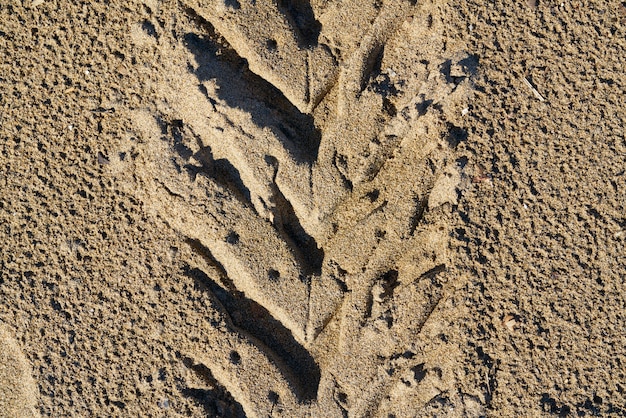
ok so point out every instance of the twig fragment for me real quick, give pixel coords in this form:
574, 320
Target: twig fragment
533, 89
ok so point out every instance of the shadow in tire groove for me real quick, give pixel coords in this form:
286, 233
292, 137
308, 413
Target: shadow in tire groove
220, 170
241, 88
308, 254
256, 322
215, 399
300, 13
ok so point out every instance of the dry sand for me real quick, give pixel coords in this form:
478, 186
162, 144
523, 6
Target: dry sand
312, 208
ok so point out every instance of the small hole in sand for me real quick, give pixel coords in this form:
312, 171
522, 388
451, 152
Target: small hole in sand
373, 195
273, 274
233, 4
273, 397
271, 44
232, 238
235, 358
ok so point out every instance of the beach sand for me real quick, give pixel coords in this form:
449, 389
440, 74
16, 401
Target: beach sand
312, 208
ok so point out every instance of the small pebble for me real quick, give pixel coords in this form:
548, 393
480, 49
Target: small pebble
164, 403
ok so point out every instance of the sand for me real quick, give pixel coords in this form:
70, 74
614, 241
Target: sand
312, 208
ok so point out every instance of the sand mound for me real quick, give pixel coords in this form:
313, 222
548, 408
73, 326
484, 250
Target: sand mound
18, 390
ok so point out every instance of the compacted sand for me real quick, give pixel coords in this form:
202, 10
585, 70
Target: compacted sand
316, 208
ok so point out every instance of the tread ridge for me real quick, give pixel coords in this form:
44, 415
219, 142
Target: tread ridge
267, 193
